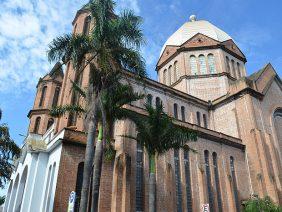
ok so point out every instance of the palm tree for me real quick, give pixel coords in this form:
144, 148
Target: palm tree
157, 134
111, 47
8, 151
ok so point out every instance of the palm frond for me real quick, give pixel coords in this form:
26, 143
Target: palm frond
62, 110
78, 89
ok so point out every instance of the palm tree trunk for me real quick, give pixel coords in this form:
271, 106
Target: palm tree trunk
98, 162
152, 183
89, 155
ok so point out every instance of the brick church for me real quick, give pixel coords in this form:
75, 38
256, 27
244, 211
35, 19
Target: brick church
203, 84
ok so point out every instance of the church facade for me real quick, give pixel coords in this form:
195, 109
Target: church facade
203, 84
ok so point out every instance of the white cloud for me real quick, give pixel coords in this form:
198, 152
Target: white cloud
26, 29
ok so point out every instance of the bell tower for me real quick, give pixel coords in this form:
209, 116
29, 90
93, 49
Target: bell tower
47, 96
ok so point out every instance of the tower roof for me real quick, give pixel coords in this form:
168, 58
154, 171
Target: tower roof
193, 27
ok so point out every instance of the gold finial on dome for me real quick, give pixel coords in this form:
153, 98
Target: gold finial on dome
192, 18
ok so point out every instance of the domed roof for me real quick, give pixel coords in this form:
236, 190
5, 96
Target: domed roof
193, 27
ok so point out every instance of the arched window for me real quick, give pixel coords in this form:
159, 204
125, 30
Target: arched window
176, 71
203, 65
277, 119
139, 178
239, 70
47, 188
234, 183
37, 125
165, 77
188, 180
193, 65
175, 111
178, 181
158, 101
205, 121
208, 178
86, 27
169, 75
50, 123
211, 63
198, 118
228, 65
13, 194
43, 93
217, 185
78, 187
182, 113
8, 197
21, 190
233, 68
149, 99
56, 97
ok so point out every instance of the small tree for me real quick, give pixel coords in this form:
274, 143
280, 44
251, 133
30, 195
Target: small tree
8, 151
157, 133
256, 204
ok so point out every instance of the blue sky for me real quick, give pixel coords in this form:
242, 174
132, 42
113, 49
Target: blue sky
27, 26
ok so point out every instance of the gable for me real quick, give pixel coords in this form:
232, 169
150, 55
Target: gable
231, 46
199, 40
167, 53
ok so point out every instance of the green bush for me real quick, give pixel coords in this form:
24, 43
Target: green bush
255, 204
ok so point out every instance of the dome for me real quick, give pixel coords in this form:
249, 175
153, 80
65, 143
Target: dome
193, 27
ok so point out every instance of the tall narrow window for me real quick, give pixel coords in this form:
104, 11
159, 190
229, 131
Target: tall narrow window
211, 63
170, 72
37, 125
193, 65
178, 181
175, 111
47, 188
198, 118
51, 187
165, 77
234, 183
86, 27
169, 75
43, 93
176, 71
139, 179
208, 177
205, 121
217, 185
188, 181
149, 99
239, 70
182, 113
203, 65
50, 123
78, 187
158, 101
227, 64
56, 97
233, 68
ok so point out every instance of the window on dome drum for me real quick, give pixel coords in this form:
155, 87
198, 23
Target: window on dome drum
175, 111
208, 178
217, 185
228, 65
178, 181
149, 99
139, 178
43, 93
233, 68
176, 71
86, 27
169, 75
50, 123
37, 125
203, 65
56, 97
193, 65
158, 101
78, 186
234, 184
205, 121
211, 63
165, 77
188, 181
239, 70
182, 113
198, 118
